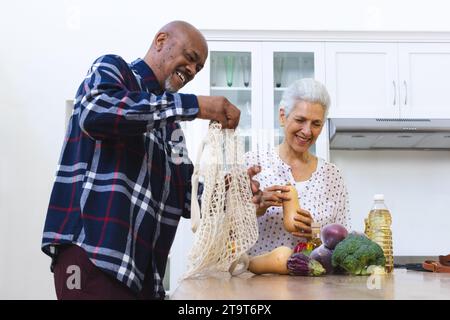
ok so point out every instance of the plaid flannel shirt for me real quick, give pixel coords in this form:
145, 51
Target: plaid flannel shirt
118, 192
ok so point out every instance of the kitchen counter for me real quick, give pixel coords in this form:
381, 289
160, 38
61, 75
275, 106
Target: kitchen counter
402, 284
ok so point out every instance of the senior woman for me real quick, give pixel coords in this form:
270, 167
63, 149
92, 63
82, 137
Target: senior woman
322, 192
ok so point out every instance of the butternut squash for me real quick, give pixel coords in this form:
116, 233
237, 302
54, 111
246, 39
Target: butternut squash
274, 261
290, 208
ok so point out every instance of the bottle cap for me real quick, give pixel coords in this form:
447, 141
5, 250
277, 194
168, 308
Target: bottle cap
378, 197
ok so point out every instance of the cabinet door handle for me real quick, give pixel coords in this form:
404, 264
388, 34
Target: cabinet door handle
406, 91
395, 93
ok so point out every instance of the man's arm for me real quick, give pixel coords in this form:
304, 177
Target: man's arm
109, 109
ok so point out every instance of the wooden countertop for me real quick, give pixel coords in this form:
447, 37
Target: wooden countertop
402, 284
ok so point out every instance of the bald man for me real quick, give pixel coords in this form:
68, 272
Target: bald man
177, 53
119, 190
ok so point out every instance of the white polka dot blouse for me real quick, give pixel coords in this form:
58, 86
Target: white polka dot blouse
324, 195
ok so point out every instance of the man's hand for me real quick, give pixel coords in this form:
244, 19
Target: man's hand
303, 221
273, 196
219, 109
257, 193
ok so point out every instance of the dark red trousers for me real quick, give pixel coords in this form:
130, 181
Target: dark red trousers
92, 283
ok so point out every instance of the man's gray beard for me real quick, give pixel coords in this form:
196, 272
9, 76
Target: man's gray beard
168, 86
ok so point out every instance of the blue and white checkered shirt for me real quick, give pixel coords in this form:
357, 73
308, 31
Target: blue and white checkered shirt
118, 192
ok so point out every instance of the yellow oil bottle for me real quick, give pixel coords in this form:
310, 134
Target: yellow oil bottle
378, 229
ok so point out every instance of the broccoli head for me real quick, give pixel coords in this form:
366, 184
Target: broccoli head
357, 252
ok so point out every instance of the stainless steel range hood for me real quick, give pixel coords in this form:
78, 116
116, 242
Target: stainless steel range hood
346, 133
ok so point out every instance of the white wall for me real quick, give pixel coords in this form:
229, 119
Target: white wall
46, 48
416, 185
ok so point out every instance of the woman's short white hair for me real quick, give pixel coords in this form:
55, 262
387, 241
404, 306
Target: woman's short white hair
308, 90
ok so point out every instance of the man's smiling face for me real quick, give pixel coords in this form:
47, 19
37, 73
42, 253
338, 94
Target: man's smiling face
181, 57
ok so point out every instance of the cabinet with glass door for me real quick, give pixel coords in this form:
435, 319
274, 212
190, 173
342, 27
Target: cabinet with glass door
254, 75
284, 63
235, 73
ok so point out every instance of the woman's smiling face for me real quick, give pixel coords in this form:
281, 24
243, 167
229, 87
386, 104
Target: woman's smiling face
303, 125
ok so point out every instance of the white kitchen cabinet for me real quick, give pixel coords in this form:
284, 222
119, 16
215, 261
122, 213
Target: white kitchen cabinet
424, 70
283, 63
388, 79
272, 67
362, 79
235, 72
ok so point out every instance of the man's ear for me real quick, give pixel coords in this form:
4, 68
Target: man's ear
160, 40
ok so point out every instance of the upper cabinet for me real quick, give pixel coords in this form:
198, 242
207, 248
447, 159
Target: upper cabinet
388, 80
282, 64
235, 72
424, 79
253, 76
362, 79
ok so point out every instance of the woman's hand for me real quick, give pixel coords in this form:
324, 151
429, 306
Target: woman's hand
272, 196
303, 221
254, 185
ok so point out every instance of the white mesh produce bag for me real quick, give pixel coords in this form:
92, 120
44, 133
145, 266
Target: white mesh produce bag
226, 227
